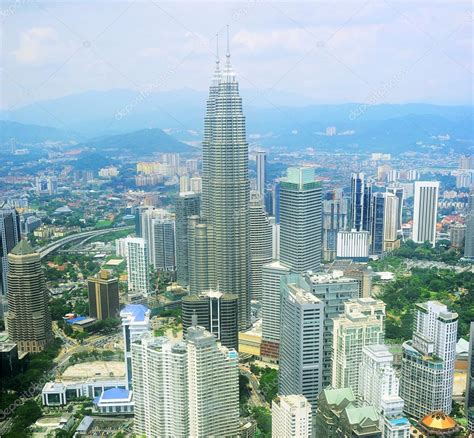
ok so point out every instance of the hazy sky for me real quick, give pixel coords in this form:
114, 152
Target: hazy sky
380, 51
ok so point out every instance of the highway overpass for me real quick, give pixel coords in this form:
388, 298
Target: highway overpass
85, 235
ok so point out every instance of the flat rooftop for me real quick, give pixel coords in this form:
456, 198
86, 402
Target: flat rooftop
95, 369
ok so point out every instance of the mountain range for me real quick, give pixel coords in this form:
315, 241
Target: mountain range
274, 119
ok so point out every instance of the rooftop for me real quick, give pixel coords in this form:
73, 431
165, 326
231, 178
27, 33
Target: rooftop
23, 248
138, 312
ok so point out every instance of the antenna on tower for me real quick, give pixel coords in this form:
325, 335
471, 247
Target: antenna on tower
217, 48
228, 49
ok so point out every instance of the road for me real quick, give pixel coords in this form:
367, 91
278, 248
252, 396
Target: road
85, 235
256, 397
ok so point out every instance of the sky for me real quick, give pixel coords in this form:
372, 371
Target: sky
326, 52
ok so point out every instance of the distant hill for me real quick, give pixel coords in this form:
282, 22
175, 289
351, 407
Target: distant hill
143, 142
30, 134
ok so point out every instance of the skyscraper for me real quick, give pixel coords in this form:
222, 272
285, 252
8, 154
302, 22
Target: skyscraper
427, 373
469, 239
213, 382
300, 221
399, 193
28, 318
377, 222
186, 204
160, 387
201, 256
216, 312
225, 187
469, 403
425, 211
361, 324
261, 160
301, 345
135, 324
9, 236
291, 417
361, 194
335, 218
137, 265
378, 386
103, 296
272, 274
260, 243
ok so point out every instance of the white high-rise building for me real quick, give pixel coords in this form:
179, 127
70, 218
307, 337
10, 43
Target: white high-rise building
160, 390
425, 211
213, 386
427, 373
271, 308
137, 265
186, 388
379, 386
301, 345
135, 323
261, 159
291, 417
275, 238
195, 184
353, 245
184, 184
260, 243
361, 324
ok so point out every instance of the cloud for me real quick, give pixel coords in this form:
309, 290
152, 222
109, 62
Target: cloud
38, 46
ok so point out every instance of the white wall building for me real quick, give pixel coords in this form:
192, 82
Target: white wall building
291, 417
427, 373
379, 386
425, 211
361, 324
137, 265
352, 245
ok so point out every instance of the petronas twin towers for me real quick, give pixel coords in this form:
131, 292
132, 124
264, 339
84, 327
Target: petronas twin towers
226, 190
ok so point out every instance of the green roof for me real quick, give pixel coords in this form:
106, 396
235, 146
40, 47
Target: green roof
361, 415
23, 248
338, 395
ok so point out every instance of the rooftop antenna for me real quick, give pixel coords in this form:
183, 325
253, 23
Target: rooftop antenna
217, 48
228, 49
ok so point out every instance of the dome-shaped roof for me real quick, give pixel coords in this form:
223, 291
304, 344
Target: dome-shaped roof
438, 421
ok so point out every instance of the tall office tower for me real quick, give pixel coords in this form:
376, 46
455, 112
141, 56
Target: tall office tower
469, 239
28, 317
213, 381
260, 243
135, 324
335, 218
186, 205
137, 265
10, 235
301, 345
361, 324
353, 245
427, 373
275, 238
361, 194
138, 218
103, 295
216, 312
399, 193
333, 290
391, 219
261, 159
160, 389
457, 235
291, 417
469, 403
378, 386
158, 232
300, 220
271, 308
201, 266
377, 222
425, 211
225, 187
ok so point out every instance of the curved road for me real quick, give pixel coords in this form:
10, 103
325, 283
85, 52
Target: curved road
85, 235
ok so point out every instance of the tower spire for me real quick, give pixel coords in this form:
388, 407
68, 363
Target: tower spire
217, 71
228, 74
228, 49
217, 49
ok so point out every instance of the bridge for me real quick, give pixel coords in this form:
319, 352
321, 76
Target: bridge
82, 237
